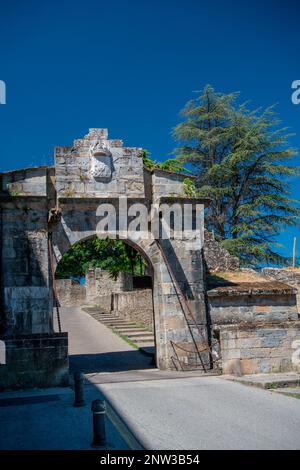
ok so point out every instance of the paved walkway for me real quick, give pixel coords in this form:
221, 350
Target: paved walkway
206, 413
155, 409
95, 348
49, 421
189, 413
138, 334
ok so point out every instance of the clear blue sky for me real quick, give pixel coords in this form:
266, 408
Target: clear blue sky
131, 65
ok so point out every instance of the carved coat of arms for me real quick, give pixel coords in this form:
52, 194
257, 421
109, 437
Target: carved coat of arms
101, 164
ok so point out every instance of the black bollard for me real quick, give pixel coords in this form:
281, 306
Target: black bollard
79, 389
99, 411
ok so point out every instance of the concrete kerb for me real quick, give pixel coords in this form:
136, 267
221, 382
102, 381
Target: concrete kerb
267, 381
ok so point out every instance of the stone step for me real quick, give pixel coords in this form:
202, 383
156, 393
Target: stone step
140, 339
115, 320
98, 316
143, 338
119, 325
92, 310
105, 317
140, 333
130, 330
110, 317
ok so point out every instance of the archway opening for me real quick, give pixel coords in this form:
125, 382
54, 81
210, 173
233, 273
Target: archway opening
105, 298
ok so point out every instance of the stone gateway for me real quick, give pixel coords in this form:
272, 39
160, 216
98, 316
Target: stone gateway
46, 210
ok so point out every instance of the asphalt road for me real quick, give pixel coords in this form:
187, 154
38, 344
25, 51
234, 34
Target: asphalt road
205, 413
166, 412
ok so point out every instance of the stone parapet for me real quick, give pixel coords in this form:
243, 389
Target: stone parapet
289, 276
252, 302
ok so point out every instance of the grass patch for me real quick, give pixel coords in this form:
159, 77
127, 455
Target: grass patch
95, 309
273, 386
125, 338
293, 395
146, 327
128, 340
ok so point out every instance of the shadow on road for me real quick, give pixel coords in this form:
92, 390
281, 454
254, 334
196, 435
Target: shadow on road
110, 362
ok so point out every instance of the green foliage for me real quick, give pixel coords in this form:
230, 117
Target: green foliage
114, 256
148, 162
189, 186
242, 162
171, 164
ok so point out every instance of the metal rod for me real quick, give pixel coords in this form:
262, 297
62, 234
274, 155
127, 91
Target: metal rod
294, 252
186, 304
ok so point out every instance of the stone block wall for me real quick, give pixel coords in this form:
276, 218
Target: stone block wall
99, 283
136, 306
70, 293
25, 278
35, 361
105, 302
27, 182
231, 305
258, 327
96, 165
167, 184
260, 348
289, 276
216, 257
98, 289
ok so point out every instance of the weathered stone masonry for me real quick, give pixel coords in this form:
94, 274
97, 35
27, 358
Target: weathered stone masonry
112, 295
215, 257
258, 327
63, 205
34, 354
49, 209
289, 276
99, 283
70, 293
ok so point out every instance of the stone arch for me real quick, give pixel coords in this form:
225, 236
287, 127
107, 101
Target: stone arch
59, 204
150, 251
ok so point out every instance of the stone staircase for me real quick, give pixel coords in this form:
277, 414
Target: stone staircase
137, 335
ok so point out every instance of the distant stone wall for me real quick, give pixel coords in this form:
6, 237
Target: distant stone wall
97, 290
99, 283
104, 302
70, 293
255, 349
217, 258
136, 306
291, 277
